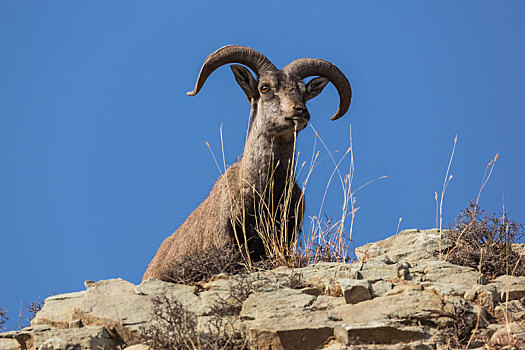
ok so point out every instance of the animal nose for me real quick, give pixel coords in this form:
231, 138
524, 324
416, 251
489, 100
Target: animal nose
300, 109
301, 112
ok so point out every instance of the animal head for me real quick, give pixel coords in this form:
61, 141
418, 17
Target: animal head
278, 97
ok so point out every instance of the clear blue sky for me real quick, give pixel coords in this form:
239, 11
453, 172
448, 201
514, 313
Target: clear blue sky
103, 155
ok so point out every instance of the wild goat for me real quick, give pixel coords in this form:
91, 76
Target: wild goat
259, 190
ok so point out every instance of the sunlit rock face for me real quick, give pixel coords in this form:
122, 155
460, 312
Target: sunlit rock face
398, 295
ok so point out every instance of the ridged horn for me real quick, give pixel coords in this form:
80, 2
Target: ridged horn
307, 67
251, 58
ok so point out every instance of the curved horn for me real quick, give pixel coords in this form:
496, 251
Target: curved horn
307, 67
251, 58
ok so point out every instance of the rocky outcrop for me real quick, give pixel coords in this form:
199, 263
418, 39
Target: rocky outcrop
398, 296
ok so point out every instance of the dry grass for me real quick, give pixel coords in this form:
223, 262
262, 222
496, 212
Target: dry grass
489, 244
484, 181
439, 204
328, 239
481, 241
448, 177
277, 220
277, 225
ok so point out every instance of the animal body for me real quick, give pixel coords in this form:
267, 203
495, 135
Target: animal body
261, 185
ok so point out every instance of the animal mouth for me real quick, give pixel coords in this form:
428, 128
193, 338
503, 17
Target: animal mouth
298, 122
298, 118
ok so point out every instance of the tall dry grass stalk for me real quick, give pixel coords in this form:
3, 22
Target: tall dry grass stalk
272, 217
276, 220
330, 240
440, 207
439, 202
486, 176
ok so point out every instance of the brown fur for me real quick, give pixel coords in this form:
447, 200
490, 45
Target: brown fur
264, 173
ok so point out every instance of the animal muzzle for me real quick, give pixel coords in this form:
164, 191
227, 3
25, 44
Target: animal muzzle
300, 113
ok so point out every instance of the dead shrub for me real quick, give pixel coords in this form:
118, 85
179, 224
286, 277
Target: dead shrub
172, 327
459, 331
486, 242
175, 327
239, 289
3, 318
34, 307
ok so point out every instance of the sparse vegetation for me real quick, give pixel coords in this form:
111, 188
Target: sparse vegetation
172, 327
34, 307
330, 239
3, 318
488, 243
24, 318
175, 327
326, 239
459, 331
240, 288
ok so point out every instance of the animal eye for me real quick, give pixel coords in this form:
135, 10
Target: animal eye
265, 89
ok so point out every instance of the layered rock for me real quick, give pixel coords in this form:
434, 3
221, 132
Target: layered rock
399, 295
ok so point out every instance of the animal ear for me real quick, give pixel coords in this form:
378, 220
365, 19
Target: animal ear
315, 86
246, 81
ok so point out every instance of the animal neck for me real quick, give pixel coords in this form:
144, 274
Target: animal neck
267, 157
